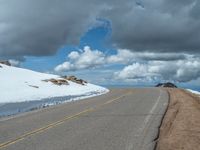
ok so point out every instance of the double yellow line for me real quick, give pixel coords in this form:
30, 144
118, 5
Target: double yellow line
59, 122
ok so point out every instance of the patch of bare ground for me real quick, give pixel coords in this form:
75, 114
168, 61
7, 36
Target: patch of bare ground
180, 129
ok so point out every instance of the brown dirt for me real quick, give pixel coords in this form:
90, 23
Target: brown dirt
180, 129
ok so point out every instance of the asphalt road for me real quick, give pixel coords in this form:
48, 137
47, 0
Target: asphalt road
123, 119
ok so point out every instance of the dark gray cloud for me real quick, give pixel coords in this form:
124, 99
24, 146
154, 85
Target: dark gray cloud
30, 27
161, 26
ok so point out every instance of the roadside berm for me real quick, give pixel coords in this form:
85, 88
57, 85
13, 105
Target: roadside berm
180, 128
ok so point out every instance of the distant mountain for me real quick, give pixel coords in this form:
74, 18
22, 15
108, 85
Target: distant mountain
168, 84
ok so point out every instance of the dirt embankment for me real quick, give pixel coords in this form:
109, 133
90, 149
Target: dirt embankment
180, 129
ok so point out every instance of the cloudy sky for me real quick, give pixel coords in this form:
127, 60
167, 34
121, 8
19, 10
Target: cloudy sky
115, 42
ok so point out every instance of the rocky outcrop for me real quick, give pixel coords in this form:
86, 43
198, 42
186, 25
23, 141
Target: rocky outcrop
168, 84
64, 80
75, 79
57, 81
5, 62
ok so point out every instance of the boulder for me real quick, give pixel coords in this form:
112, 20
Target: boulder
71, 78
75, 79
5, 62
62, 82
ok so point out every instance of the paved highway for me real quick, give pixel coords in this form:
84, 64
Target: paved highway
123, 119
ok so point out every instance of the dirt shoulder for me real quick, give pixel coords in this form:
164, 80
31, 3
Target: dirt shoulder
180, 129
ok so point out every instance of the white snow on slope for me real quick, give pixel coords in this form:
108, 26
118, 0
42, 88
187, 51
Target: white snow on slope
194, 92
15, 86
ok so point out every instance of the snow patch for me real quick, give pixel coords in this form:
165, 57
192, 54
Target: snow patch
194, 92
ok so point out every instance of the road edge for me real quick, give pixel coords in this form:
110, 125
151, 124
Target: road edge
162, 119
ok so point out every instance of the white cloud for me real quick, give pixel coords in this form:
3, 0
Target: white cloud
88, 58
134, 71
74, 55
64, 66
145, 67
123, 56
82, 60
178, 71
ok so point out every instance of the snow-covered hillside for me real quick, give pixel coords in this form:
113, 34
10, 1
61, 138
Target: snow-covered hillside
19, 85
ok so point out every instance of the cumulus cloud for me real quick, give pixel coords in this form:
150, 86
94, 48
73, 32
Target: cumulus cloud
82, 60
178, 71
29, 27
134, 71
88, 58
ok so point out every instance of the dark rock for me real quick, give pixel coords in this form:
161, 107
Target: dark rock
34, 86
62, 82
75, 79
5, 62
65, 79
167, 84
159, 85
71, 78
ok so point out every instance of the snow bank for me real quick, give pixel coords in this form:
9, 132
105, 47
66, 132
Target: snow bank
194, 92
21, 85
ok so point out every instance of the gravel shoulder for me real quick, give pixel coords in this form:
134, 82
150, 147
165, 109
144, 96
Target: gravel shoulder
180, 129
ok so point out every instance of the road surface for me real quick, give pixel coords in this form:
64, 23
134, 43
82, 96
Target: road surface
123, 119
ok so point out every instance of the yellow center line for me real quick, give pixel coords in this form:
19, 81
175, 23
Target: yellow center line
59, 122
